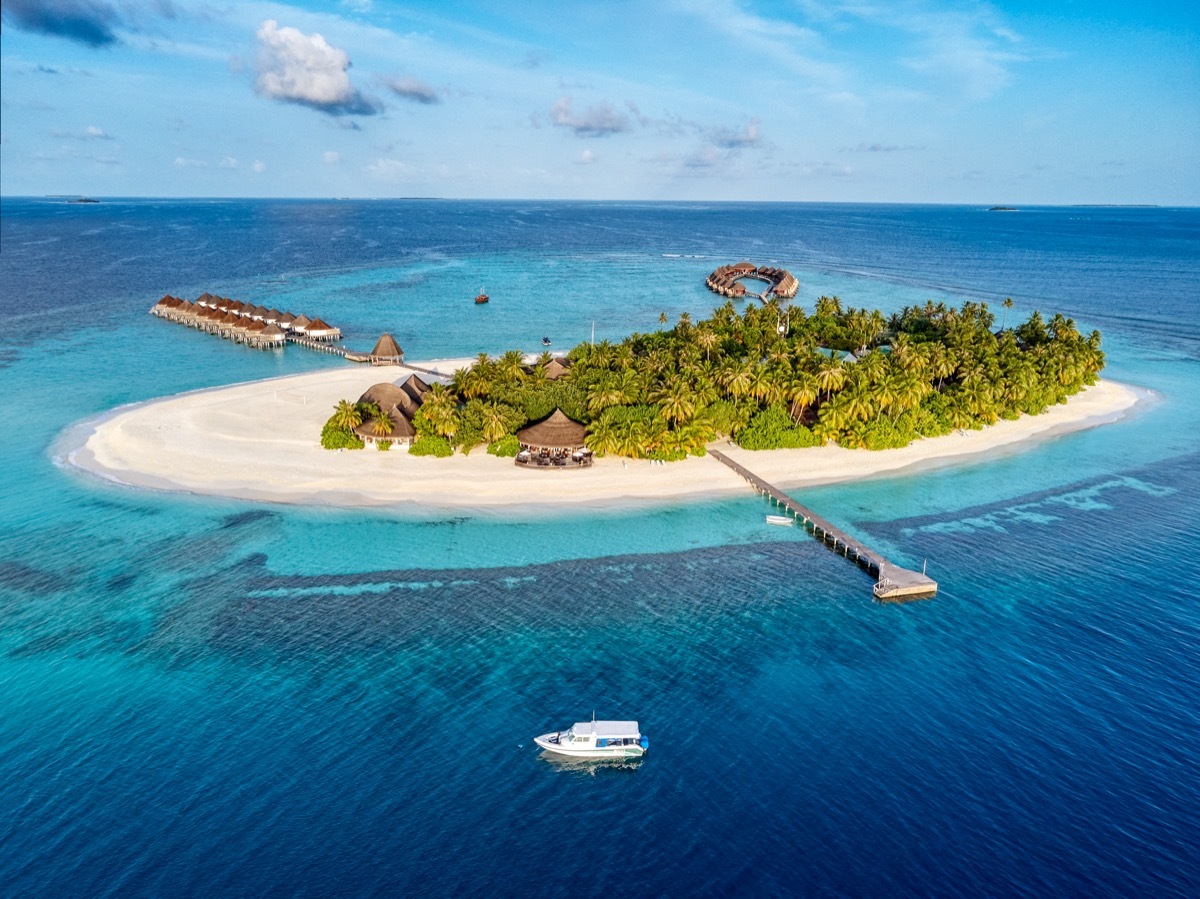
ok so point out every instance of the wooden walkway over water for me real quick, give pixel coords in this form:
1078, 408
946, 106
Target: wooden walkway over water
319, 345
893, 582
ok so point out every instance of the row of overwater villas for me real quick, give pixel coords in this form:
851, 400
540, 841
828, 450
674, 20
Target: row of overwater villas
726, 280
244, 323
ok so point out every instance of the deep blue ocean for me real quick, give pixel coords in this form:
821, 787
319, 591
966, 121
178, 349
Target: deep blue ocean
208, 697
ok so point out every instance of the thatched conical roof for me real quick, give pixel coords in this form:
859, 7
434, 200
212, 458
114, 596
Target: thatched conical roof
554, 370
385, 395
273, 332
416, 388
386, 349
301, 322
401, 429
286, 319
555, 432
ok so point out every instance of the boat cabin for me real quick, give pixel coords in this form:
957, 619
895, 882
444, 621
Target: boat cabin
601, 734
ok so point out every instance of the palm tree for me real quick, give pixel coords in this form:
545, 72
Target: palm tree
511, 366
675, 399
1007, 304
800, 391
370, 410
737, 379
494, 424
602, 437
828, 306
381, 425
346, 415
831, 375
605, 393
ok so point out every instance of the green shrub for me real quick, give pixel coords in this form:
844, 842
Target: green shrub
506, 447
383, 445
333, 437
431, 446
773, 429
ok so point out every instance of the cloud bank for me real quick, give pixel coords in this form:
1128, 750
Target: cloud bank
89, 22
305, 69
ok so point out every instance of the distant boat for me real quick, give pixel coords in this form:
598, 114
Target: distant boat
781, 520
481, 298
545, 341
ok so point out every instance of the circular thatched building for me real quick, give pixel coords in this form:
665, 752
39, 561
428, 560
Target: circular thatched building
555, 442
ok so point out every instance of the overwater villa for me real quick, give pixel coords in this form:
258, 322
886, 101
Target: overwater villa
246, 323
730, 281
553, 442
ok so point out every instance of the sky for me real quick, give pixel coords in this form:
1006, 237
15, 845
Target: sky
925, 101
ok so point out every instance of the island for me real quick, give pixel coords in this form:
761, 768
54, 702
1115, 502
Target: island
770, 387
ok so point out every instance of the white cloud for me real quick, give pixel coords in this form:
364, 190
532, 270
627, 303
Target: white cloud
184, 163
229, 163
304, 68
331, 157
259, 166
600, 120
360, 6
390, 170
587, 157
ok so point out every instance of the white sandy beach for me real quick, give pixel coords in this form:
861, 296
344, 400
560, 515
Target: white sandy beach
260, 441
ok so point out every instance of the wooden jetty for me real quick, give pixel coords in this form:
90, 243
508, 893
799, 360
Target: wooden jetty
319, 345
892, 581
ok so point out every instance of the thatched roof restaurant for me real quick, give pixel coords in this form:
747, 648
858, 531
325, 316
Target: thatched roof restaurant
386, 352
554, 442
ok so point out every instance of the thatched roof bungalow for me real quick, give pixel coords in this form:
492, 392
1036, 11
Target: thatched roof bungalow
272, 335
384, 395
386, 352
400, 431
554, 370
556, 432
318, 330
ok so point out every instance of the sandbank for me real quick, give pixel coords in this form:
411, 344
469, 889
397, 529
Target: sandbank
260, 441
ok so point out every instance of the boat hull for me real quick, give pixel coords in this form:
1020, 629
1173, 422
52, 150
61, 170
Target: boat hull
548, 744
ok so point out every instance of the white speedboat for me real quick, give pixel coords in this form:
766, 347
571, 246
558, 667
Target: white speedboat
597, 740
782, 520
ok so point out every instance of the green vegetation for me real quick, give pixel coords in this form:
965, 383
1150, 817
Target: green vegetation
772, 376
431, 445
506, 447
335, 437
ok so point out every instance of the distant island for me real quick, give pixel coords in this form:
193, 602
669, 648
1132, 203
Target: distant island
83, 200
1003, 209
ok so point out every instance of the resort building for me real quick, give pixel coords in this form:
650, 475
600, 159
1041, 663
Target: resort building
386, 352
554, 442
